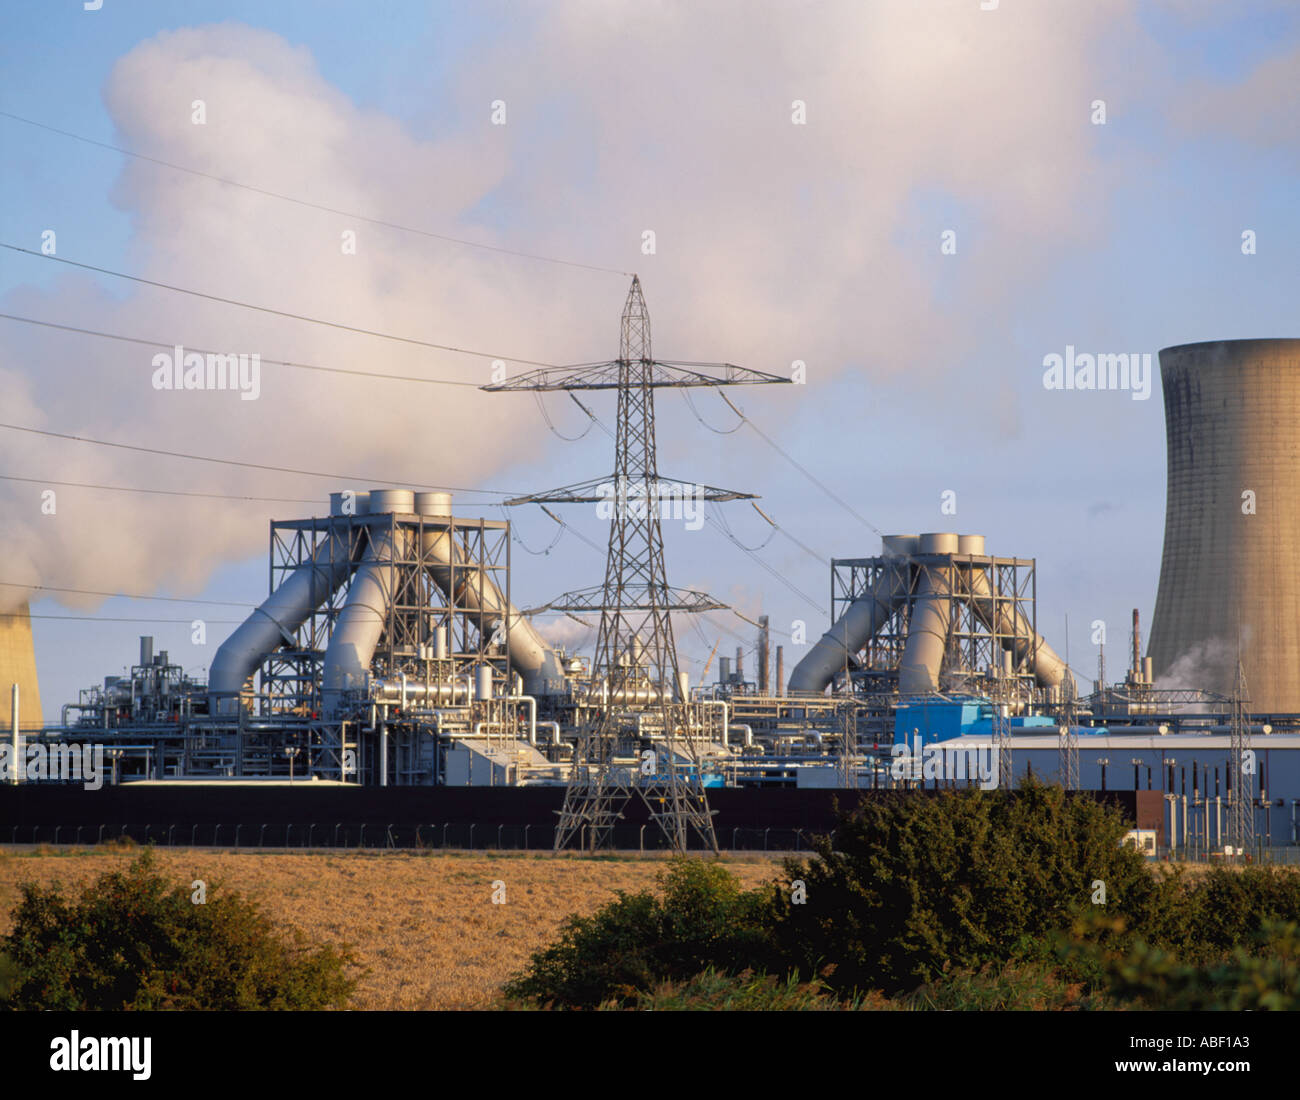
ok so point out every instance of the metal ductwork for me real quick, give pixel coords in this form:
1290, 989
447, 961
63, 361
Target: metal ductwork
927, 634
839, 645
276, 621
1228, 577
360, 623
530, 656
1049, 668
932, 571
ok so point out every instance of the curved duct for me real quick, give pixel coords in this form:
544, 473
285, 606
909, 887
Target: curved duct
1049, 669
865, 615
535, 661
360, 623
276, 621
927, 633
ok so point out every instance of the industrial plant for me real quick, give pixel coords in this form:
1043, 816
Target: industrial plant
390, 651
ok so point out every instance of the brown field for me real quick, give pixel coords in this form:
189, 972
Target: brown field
423, 925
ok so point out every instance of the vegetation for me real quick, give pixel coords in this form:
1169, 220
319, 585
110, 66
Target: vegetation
133, 940
953, 901
702, 920
910, 885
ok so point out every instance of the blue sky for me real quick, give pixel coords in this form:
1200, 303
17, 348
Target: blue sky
775, 244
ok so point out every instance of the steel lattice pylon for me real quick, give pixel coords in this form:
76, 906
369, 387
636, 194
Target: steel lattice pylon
1241, 771
1069, 736
635, 661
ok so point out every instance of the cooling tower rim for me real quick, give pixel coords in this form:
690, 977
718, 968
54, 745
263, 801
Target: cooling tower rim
1243, 342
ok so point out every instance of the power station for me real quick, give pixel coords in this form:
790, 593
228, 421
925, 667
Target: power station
389, 653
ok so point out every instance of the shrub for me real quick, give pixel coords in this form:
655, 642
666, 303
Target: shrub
910, 883
639, 940
1005, 987
1263, 974
711, 991
132, 940
1226, 907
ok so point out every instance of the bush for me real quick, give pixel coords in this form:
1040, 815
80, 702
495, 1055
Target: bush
639, 940
909, 884
747, 991
132, 940
1226, 908
1263, 974
1006, 987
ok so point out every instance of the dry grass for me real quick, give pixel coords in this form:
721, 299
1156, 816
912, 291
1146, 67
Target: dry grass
423, 925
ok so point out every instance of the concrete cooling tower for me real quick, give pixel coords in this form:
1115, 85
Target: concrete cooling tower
1232, 521
18, 666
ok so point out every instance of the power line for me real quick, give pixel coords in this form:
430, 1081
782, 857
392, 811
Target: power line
722, 520
790, 459
716, 431
761, 563
120, 595
806, 549
156, 492
248, 465
263, 359
572, 530
537, 396
267, 309
312, 205
545, 551
113, 619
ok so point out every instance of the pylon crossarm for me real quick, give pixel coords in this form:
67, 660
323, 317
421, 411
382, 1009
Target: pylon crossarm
656, 373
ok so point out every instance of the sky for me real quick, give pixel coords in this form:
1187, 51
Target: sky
918, 201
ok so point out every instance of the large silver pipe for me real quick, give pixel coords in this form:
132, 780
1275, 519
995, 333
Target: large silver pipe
458, 692
927, 634
536, 661
360, 623
1007, 619
865, 615
276, 621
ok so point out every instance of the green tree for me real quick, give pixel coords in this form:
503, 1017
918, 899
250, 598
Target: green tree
132, 940
910, 883
638, 941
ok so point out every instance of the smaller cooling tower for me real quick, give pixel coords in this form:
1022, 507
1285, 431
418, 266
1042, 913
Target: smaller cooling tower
1230, 572
18, 666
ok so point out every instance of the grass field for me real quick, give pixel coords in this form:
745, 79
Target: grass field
422, 924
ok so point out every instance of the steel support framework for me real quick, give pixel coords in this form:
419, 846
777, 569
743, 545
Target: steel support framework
987, 600
431, 592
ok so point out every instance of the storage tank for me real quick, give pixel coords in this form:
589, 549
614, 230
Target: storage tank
1232, 521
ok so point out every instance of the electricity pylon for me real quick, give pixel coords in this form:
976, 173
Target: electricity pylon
1241, 799
635, 669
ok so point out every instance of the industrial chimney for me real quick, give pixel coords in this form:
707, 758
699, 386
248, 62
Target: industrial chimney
1230, 573
18, 666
